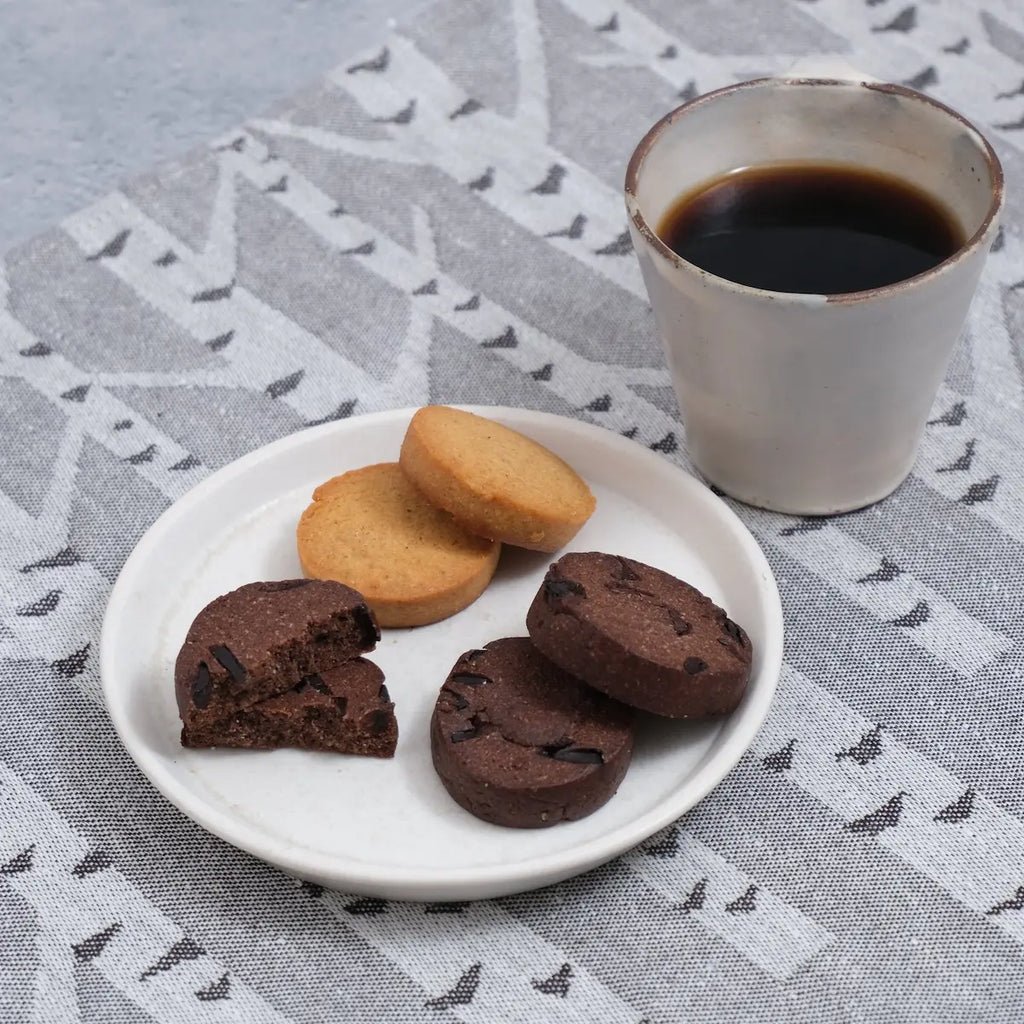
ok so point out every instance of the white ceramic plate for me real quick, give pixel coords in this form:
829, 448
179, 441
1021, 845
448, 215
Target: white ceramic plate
386, 827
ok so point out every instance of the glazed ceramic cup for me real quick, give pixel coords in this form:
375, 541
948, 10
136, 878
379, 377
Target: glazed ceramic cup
810, 404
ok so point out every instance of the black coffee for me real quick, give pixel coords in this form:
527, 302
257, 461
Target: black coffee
818, 228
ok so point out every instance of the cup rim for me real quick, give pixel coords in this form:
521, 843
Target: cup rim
652, 135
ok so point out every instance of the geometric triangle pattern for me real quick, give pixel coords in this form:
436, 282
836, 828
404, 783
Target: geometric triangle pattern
441, 220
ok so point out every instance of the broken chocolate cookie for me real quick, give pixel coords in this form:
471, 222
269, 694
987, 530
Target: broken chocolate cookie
258, 641
345, 710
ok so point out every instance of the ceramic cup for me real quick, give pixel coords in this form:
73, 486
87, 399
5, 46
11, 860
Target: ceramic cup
810, 404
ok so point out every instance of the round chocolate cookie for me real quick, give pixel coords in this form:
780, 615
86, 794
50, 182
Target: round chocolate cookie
261, 639
517, 741
640, 635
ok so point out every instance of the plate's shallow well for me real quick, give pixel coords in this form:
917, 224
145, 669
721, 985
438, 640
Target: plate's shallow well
388, 828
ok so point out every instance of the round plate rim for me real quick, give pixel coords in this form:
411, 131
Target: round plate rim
491, 880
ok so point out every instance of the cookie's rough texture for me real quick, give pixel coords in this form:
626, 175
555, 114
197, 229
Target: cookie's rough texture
259, 640
517, 741
346, 710
493, 480
640, 635
373, 530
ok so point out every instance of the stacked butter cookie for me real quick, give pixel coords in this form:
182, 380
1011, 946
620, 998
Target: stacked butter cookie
420, 538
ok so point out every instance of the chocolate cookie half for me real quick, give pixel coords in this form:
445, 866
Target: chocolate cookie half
346, 710
517, 741
640, 635
261, 639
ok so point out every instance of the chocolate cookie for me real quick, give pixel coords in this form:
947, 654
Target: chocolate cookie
640, 635
345, 710
259, 640
517, 741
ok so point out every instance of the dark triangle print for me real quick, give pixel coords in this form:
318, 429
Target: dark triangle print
903, 22
113, 248
95, 860
444, 908
281, 185
37, 609
666, 847
181, 952
74, 664
573, 231
377, 64
810, 524
611, 25
959, 48
622, 246
669, 53
544, 373
866, 749
507, 339
745, 904
1011, 126
76, 394
146, 455
917, 616
471, 106
368, 906
1015, 902
981, 492
887, 816
311, 889
1009, 95
557, 984
430, 288
64, 558
484, 182
552, 183
885, 573
337, 211
189, 462
215, 294
473, 302
461, 994
963, 463
90, 948
404, 116
367, 248
284, 385
780, 760
928, 76
630, 432
19, 864
667, 444
600, 404
959, 810
688, 91
999, 241
696, 897
952, 417
123, 425
342, 412
168, 259
35, 351
219, 989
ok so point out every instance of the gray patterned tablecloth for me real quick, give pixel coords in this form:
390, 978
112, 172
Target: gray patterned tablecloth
441, 220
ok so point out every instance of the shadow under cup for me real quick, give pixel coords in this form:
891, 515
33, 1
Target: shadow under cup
810, 404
